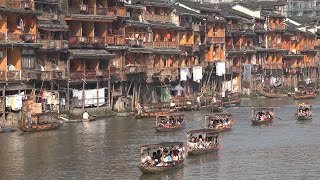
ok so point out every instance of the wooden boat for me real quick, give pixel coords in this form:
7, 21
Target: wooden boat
153, 110
231, 99
262, 116
208, 144
219, 122
304, 112
305, 94
272, 93
217, 106
170, 122
44, 121
7, 130
150, 165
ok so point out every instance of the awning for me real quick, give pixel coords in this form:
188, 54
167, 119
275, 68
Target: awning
90, 54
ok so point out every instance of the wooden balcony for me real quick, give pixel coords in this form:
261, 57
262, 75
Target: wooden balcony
159, 18
110, 40
273, 26
233, 27
219, 40
134, 69
165, 44
2, 75
275, 45
120, 40
148, 44
102, 11
81, 9
51, 75
17, 38
48, 16
17, 4
99, 41
236, 69
90, 74
186, 48
21, 75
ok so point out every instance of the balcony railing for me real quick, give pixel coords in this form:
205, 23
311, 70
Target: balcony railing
160, 18
48, 16
17, 4
133, 69
100, 41
233, 27
273, 26
110, 40
20, 75
236, 69
165, 44
219, 39
116, 40
120, 40
81, 9
275, 45
102, 11
90, 74
50, 75
148, 44
2, 75
16, 38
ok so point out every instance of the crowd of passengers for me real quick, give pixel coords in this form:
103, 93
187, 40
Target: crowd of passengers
171, 122
203, 143
263, 116
219, 123
165, 158
304, 112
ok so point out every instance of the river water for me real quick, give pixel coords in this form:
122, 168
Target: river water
109, 148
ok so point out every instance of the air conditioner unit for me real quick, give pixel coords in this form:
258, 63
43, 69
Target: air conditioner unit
1, 54
83, 7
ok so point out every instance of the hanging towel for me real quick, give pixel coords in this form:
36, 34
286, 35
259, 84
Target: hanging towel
197, 73
184, 73
220, 68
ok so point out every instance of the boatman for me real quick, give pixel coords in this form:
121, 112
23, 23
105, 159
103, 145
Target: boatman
29, 119
139, 108
85, 115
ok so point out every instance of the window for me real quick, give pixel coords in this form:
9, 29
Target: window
28, 59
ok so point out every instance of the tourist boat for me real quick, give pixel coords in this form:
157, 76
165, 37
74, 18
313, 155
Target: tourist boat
305, 93
7, 130
153, 110
150, 165
262, 116
304, 112
231, 99
272, 93
216, 106
169, 122
219, 122
208, 143
44, 121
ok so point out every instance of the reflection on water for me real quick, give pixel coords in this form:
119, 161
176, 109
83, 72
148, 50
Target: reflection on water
109, 149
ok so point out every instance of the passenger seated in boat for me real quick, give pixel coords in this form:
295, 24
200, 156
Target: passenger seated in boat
146, 159
175, 155
200, 144
85, 115
167, 159
180, 119
192, 144
167, 125
155, 158
159, 155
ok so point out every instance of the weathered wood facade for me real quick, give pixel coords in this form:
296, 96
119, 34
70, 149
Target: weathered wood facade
142, 52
